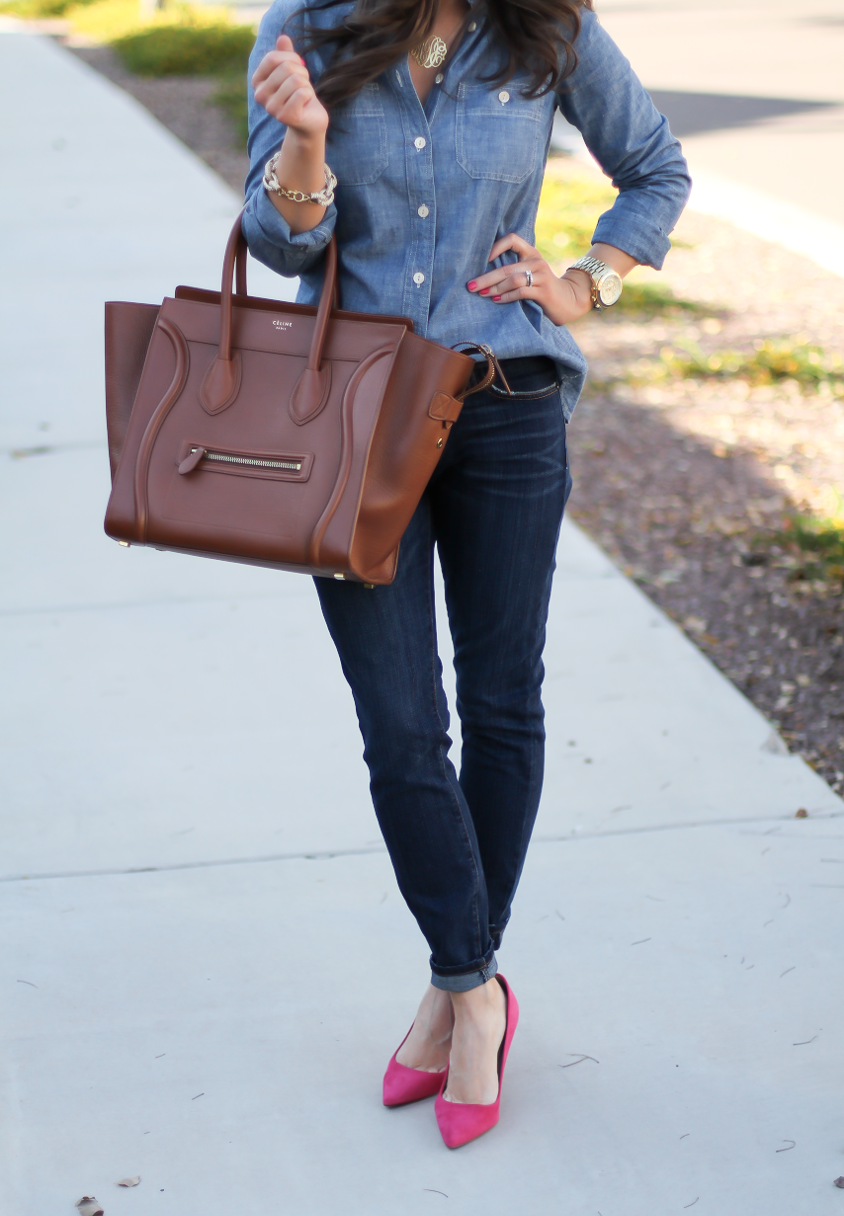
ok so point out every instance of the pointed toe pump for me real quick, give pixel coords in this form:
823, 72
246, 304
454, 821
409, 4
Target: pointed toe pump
460, 1122
403, 1085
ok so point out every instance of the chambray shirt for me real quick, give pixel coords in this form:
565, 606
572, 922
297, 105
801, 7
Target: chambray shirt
424, 190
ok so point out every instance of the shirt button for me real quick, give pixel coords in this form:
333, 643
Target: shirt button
438, 79
419, 142
504, 97
419, 278
423, 211
473, 25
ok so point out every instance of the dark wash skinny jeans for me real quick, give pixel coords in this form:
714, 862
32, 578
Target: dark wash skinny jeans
493, 509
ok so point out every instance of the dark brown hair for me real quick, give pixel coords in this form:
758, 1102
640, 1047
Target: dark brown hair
529, 35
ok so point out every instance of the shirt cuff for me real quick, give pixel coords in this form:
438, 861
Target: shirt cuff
627, 226
270, 240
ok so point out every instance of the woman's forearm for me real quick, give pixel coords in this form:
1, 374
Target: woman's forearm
300, 166
283, 87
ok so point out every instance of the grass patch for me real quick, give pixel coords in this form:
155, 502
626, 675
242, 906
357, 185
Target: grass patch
655, 299
769, 363
187, 49
818, 546
569, 208
105, 21
37, 10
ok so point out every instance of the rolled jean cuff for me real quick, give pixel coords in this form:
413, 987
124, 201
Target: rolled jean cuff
448, 980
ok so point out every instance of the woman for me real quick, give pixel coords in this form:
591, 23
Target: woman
435, 117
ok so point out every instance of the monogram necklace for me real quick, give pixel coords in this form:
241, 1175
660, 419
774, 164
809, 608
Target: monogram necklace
431, 52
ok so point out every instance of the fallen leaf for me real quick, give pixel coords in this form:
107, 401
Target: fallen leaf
89, 1206
839, 1182
129, 1181
802, 813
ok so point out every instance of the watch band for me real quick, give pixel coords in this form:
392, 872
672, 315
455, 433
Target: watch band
598, 271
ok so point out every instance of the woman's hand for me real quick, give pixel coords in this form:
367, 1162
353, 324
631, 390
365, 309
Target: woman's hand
562, 300
283, 87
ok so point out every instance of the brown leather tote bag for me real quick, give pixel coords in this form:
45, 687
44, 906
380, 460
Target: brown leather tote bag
275, 434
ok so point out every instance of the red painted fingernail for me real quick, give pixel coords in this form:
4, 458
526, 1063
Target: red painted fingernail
496, 298
472, 285
484, 291
301, 60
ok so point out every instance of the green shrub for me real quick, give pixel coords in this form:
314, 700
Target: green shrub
186, 50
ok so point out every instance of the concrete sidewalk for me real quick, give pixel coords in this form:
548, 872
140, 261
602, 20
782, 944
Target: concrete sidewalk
206, 962
756, 94
755, 91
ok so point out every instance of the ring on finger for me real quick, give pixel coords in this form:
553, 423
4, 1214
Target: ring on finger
529, 277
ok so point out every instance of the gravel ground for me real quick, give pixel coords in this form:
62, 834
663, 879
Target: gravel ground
685, 485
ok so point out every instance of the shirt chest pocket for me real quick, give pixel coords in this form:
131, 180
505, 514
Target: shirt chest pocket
356, 148
497, 132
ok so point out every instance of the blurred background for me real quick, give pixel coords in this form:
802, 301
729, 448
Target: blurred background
709, 447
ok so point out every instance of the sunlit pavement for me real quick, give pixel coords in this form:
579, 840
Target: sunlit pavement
756, 94
206, 963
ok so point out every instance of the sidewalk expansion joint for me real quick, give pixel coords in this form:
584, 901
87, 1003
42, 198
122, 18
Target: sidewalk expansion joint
368, 851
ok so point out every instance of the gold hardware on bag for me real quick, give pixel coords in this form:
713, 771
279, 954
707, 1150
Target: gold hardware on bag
124, 544
341, 577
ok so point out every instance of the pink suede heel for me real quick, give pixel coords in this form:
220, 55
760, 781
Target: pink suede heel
403, 1085
460, 1122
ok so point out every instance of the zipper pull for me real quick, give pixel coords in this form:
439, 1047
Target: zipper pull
191, 460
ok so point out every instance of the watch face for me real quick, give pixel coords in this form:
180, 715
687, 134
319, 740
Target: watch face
609, 289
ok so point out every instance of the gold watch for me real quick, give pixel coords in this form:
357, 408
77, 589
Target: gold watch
606, 282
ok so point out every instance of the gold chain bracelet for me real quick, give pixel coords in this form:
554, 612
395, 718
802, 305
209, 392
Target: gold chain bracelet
272, 185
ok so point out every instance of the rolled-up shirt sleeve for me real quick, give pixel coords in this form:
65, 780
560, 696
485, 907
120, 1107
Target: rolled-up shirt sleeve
267, 232
631, 142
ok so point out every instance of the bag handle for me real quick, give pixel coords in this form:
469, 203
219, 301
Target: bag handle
493, 369
222, 380
240, 288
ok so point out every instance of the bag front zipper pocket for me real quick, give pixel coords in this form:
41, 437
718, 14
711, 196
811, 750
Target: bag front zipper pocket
275, 466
